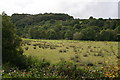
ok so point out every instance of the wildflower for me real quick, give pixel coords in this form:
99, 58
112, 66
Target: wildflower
44, 74
9, 74
14, 71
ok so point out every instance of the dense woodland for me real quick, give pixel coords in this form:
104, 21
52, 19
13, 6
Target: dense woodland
63, 26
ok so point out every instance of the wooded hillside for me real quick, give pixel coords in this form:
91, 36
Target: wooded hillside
63, 26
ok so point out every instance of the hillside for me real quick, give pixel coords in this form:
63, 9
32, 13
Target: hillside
64, 26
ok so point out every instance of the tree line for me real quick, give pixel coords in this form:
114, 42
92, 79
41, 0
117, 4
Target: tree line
63, 26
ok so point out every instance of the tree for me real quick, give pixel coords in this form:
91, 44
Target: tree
37, 32
117, 30
91, 17
77, 26
111, 24
73, 22
89, 33
100, 22
68, 35
11, 50
108, 35
34, 33
51, 34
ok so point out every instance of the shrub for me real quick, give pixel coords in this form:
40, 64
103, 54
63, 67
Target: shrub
101, 54
85, 55
28, 44
90, 64
39, 46
100, 62
60, 51
67, 47
72, 58
34, 44
52, 47
63, 50
26, 48
34, 47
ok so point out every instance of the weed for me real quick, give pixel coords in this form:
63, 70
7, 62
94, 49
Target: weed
34, 47
85, 55
90, 64
76, 56
26, 48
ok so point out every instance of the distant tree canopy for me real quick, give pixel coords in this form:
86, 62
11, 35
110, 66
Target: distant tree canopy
21, 20
63, 26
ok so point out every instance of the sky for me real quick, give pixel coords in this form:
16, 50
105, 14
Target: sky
77, 8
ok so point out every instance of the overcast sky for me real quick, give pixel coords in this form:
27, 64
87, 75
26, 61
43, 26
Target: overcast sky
75, 8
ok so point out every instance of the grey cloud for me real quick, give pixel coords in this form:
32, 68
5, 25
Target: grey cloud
76, 8
96, 9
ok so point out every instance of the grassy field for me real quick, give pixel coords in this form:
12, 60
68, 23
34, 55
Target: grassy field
66, 59
81, 53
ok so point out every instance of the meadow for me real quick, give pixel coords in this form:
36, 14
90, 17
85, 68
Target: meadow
82, 53
71, 59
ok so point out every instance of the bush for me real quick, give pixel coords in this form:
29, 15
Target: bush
43, 69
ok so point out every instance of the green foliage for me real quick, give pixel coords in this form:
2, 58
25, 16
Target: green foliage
43, 69
68, 35
11, 50
51, 34
61, 26
21, 20
108, 35
117, 30
77, 26
89, 33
